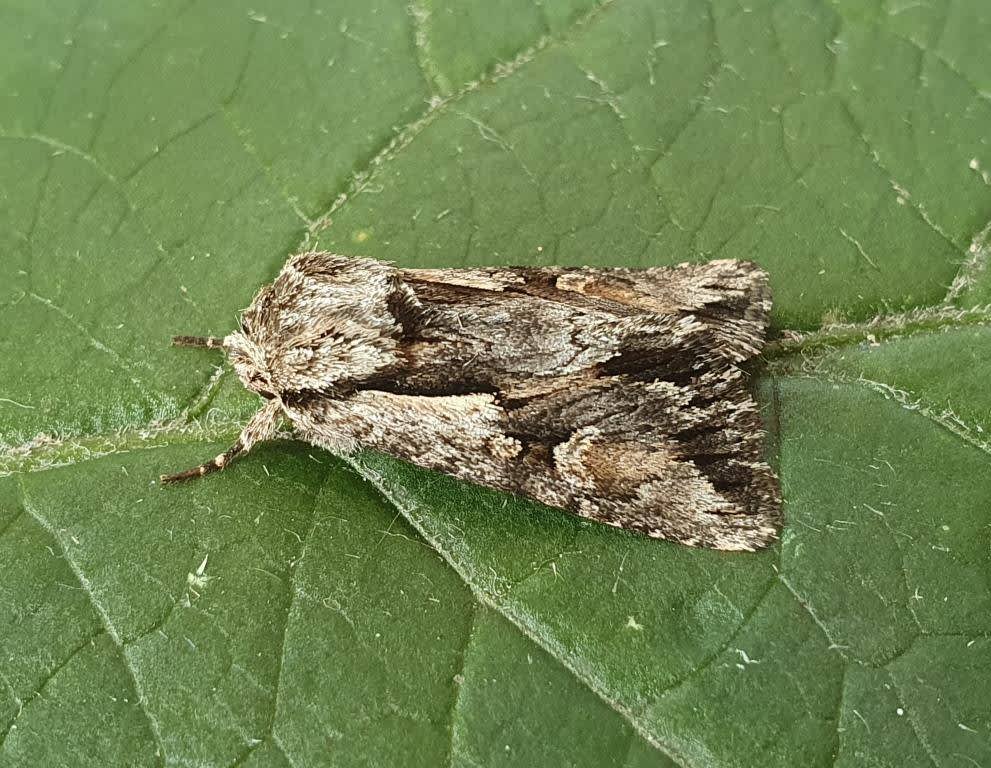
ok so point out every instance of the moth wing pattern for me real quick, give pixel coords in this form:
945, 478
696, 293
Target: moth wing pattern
613, 393
731, 297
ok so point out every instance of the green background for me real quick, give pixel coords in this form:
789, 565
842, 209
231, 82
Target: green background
159, 161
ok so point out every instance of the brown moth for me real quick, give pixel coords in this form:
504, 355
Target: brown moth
615, 394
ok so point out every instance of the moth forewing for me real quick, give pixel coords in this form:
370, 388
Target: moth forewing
616, 394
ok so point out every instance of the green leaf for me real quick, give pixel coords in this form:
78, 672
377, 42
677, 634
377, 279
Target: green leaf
159, 162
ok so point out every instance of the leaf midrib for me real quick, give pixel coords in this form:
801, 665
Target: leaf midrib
786, 359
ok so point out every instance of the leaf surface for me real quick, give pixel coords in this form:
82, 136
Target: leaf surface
159, 162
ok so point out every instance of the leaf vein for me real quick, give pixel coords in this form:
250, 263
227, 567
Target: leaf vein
711, 658
106, 622
436, 107
40, 686
459, 685
408, 508
946, 419
290, 603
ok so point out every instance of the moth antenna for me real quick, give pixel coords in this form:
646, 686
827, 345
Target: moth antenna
261, 427
197, 341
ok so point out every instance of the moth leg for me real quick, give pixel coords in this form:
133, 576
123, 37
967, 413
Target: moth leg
261, 427
197, 341
214, 465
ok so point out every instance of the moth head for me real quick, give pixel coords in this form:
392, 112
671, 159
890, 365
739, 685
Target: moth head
249, 362
323, 325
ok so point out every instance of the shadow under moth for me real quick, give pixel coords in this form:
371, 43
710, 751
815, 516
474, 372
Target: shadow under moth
615, 394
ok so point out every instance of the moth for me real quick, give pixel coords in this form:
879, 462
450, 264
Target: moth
615, 394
